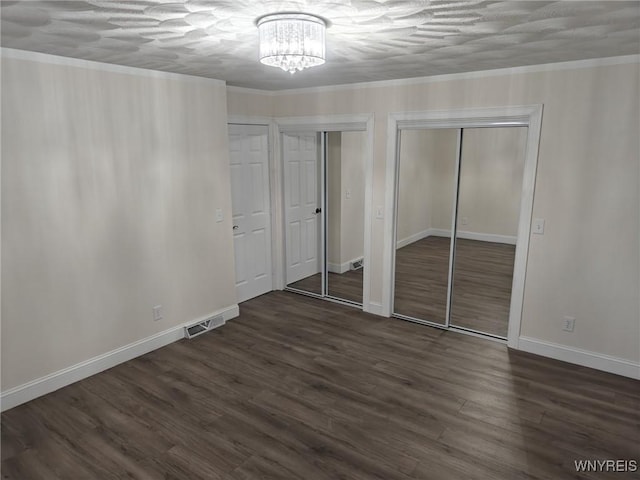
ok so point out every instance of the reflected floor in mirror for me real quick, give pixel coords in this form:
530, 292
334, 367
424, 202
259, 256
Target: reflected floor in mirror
347, 286
482, 283
482, 279
422, 270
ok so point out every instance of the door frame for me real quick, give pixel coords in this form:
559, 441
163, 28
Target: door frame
526, 115
274, 187
328, 123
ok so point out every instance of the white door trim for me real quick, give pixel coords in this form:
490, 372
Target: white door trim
275, 186
526, 115
334, 123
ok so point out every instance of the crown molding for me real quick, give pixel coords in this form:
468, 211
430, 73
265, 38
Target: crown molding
101, 66
546, 67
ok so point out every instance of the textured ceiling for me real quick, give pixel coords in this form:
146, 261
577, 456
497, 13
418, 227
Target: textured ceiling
368, 39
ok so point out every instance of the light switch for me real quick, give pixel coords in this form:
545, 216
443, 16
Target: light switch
379, 212
219, 216
538, 226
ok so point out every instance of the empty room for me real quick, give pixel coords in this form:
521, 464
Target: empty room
346, 239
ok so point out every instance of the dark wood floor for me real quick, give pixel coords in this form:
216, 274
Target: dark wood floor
482, 278
422, 272
483, 274
481, 297
301, 388
346, 286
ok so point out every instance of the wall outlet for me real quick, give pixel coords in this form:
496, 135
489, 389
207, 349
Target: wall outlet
157, 313
568, 323
347, 193
465, 220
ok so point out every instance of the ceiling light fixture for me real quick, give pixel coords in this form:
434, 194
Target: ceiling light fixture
291, 41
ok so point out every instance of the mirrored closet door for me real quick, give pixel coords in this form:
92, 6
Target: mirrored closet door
457, 218
425, 204
324, 185
303, 202
345, 215
489, 191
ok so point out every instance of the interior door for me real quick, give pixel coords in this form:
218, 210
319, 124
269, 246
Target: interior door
249, 162
345, 195
425, 205
489, 196
303, 211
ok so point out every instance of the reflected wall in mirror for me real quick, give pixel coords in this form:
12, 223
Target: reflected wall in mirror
303, 205
345, 176
490, 188
426, 189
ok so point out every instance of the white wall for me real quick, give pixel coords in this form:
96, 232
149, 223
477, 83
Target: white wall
426, 182
587, 263
414, 188
491, 170
110, 181
334, 200
353, 180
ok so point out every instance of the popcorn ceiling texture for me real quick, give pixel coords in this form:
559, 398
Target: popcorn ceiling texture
368, 40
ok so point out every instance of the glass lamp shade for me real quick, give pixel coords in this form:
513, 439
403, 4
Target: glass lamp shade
291, 41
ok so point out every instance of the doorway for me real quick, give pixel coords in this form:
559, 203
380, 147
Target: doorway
462, 196
324, 191
251, 209
326, 168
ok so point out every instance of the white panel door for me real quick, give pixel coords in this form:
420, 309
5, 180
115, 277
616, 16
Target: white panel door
302, 204
249, 158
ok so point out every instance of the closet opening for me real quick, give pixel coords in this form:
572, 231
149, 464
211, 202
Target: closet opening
325, 174
462, 196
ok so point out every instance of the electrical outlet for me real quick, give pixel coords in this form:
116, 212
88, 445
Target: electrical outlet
347, 194
157, 313
568, 323
465, 220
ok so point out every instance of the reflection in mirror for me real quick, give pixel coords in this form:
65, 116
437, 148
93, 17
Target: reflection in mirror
303, 203
345, 214
490, 187
426, 187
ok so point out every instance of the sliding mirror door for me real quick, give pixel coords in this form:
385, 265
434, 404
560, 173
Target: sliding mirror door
303, 192
345, 181
425, 204
490, 187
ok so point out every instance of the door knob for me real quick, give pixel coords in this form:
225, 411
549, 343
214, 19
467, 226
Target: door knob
235, 227
318, 210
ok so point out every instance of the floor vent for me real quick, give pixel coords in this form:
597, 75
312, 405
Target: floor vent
357, 264
199, 328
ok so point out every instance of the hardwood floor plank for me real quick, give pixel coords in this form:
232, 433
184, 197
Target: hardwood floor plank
482, 277
302, 388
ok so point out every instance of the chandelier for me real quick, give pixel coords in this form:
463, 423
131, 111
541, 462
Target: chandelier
291, 41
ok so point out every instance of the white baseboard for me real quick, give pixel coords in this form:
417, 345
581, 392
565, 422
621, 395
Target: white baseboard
342, 267
439, 232
413, 238
606, 363
487, 237
338, 267
49, 383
